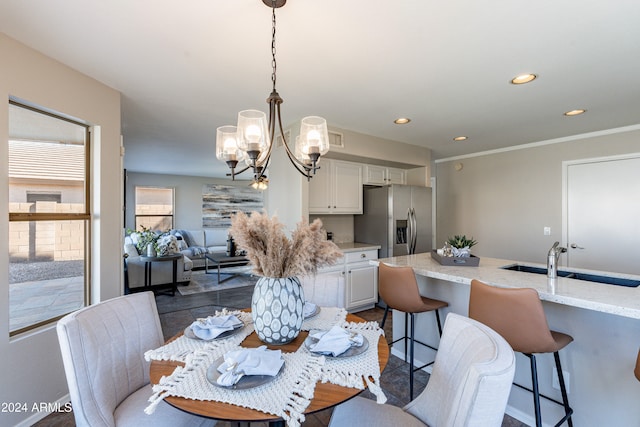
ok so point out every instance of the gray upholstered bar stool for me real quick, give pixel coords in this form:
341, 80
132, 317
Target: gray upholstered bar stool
518, 316
399, 289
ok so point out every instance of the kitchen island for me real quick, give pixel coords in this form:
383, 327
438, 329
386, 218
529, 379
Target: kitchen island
604, 321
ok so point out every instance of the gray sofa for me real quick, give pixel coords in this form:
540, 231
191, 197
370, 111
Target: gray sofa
196, 243
193, 245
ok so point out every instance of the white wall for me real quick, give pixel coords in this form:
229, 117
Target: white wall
31, 368
287, 196
505, 199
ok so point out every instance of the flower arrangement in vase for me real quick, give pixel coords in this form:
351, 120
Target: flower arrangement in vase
278, 299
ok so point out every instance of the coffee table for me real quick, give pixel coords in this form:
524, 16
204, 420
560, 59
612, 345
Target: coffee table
221, 260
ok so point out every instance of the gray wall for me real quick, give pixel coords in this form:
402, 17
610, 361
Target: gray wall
188, 195
504, 199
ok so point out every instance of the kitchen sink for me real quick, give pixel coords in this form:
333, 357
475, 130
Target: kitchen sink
597, 278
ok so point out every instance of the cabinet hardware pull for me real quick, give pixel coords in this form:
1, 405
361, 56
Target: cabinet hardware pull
363, 255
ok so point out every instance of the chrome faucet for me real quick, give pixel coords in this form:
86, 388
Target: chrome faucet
552, 260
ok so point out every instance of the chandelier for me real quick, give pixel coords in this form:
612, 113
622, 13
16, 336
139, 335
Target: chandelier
251, 142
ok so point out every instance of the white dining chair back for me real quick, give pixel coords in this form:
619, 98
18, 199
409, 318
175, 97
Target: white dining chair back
469, 385
103, 348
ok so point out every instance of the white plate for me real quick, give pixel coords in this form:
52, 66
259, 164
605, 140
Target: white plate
246, 382
352, 351
313, 313
188, 332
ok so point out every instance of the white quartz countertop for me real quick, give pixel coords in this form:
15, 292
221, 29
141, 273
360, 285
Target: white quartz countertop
617, 300
356, 247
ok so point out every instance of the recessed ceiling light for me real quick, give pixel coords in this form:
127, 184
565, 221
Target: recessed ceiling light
460, 138
575, 112
523, 78
402, 121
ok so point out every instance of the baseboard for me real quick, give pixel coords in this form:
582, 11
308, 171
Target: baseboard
521, 416
59, 405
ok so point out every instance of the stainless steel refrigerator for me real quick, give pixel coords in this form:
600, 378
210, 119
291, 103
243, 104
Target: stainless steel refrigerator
397, 217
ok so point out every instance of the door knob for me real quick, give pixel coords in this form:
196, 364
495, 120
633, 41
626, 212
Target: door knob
574, 246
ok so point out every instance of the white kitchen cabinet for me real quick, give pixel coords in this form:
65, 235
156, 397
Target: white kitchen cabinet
396, 176
351, 283
361, 280
336, 188
381, 175
361, 286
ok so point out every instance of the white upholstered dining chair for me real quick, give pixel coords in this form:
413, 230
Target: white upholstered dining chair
469, 385
103, 348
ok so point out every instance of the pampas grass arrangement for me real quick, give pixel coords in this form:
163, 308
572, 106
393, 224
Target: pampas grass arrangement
273, 254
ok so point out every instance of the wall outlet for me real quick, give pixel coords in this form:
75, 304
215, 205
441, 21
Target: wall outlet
547, 231
555, 383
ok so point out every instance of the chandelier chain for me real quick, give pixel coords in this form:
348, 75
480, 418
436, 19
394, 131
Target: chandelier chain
273, 45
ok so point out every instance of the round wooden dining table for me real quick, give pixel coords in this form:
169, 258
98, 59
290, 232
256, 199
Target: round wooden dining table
326, 395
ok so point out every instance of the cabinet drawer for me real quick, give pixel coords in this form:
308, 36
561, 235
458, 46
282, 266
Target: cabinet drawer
361, 255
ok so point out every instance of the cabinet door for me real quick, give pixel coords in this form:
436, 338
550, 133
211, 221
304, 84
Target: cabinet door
395, 176
375, 175
362, 285
347, 188
320, 189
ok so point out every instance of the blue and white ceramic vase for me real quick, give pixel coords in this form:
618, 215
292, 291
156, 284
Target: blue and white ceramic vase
277, 309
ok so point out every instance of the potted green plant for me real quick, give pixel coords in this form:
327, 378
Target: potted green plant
461, 246
456, 252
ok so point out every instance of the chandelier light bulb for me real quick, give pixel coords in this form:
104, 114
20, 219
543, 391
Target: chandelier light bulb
253, 133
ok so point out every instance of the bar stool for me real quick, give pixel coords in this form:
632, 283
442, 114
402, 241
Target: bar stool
637, 370
399, 289
518, 316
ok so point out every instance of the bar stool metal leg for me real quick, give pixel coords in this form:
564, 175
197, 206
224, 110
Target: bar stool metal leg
563, 389
536, 391
413, 329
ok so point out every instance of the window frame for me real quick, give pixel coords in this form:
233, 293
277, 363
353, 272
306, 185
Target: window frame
84, 216
154, 187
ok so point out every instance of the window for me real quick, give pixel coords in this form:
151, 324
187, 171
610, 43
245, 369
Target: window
154, 208
49, 216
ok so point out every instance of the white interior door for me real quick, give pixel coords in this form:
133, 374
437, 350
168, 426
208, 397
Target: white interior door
602, 214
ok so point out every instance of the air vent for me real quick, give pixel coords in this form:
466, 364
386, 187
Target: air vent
336, 139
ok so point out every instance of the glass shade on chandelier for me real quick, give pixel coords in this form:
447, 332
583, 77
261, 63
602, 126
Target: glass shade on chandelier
227, 146
253, 136
313, 141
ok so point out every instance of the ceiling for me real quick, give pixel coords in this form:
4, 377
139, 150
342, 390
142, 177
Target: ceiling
184, 68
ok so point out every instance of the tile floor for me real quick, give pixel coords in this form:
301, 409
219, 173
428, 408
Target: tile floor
179, 311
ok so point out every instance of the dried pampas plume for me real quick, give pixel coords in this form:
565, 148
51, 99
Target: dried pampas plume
273, 254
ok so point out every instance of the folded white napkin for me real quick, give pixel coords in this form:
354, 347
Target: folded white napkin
308, 309
335, 341
212, 326
249, 361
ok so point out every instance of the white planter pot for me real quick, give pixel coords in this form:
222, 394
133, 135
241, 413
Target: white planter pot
277, 309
